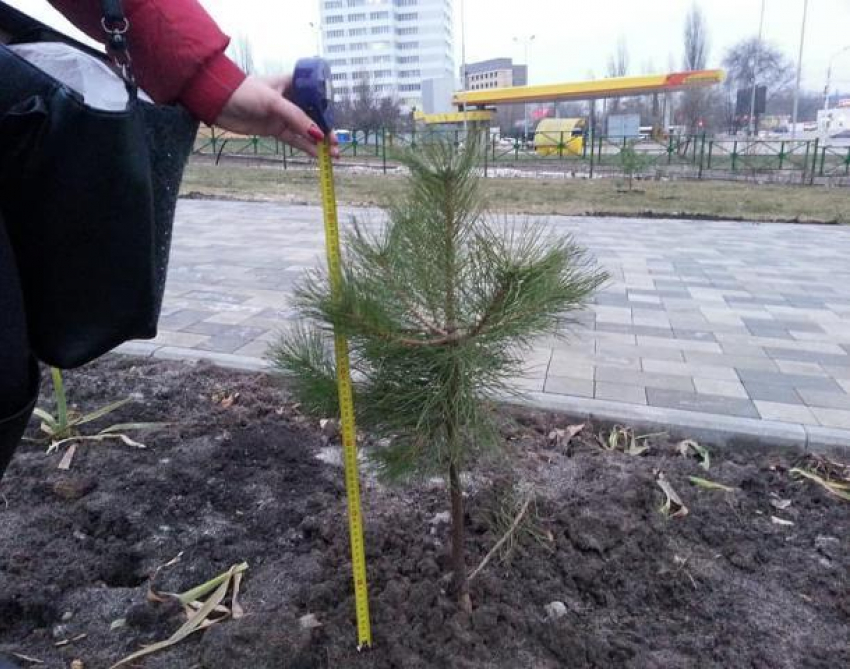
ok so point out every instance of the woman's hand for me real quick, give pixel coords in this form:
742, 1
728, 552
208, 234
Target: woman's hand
259, 107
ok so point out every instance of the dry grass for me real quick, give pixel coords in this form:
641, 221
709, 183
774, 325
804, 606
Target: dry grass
708, 199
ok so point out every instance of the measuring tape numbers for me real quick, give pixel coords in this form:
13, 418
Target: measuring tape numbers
346, 404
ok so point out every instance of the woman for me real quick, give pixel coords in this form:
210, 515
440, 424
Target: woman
177, 52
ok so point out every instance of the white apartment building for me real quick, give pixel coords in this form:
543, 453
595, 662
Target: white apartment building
395, 44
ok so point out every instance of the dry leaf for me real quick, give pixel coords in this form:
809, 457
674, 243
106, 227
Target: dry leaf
673, 505
229, 400
685, 447
840, 490
198, 620
709, 485
65, 462
563, 436
779, 503
547, 455
780, 521
238, 611
27, 658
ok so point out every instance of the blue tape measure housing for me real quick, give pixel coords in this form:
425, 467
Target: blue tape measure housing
312, 91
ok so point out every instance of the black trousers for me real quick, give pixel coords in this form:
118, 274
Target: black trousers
18, 369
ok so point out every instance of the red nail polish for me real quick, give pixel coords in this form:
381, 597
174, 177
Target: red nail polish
315, 133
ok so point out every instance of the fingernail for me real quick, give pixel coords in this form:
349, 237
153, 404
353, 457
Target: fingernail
315, 133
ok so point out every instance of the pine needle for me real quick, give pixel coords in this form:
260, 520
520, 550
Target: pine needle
505, 537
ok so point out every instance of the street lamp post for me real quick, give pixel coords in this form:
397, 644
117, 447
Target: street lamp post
464, 78
756, 55
315, 27
826, 90
799, 72
526, 41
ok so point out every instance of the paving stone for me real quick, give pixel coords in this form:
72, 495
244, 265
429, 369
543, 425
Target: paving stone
179, 339
729, 406
817, 398
773, 393
182, 318
614, 337
223, 297
805, 368
259, 348
690, 369
786, 413
787, 380
563, 385
832, 417
742, 350
647, 379
694, 335
622, 328
640, 352
572, 366
777, 332
528, 383
721, 388
679, 344
223, 343
837, 371
799, 326
246, 333
619, 392
807, 356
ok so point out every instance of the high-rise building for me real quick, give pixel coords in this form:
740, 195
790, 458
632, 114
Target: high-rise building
394, 44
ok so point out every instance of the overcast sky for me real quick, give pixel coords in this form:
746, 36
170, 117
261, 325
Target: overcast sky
573, 38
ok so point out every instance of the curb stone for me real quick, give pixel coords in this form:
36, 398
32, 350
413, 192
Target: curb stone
679, 424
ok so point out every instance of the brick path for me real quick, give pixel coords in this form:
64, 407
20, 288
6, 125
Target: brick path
725, 318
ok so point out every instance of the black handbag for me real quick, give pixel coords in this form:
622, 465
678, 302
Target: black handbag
88, 197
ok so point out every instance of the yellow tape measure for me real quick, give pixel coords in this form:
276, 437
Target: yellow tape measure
346, 404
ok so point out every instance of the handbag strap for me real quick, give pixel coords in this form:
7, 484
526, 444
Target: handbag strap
115, 25
113, 12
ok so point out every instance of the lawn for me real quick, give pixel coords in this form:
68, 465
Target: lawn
520, 195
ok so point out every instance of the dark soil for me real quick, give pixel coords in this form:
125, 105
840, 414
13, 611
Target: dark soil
724, 587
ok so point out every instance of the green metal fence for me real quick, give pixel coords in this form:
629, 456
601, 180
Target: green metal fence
565, 154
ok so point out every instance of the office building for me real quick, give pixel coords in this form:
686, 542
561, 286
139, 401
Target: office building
494, 73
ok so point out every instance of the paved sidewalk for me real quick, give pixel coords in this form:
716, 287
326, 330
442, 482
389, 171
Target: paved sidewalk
720, 318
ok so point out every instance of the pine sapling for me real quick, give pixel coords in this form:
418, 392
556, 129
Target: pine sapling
439, 305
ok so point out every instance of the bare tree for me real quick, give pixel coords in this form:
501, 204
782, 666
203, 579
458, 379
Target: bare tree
618, 66
775, 71
696, 39
365, 111
241, 52
618, 62
695, 58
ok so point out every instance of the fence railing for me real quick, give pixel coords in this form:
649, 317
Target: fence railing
804, 161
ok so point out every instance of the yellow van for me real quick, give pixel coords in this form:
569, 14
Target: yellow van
551, 131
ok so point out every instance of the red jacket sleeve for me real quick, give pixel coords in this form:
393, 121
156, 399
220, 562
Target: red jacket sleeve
177, 51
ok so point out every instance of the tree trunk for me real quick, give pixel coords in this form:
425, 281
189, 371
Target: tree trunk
460, 584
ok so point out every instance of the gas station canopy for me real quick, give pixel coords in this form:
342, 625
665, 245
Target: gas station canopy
590, 90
